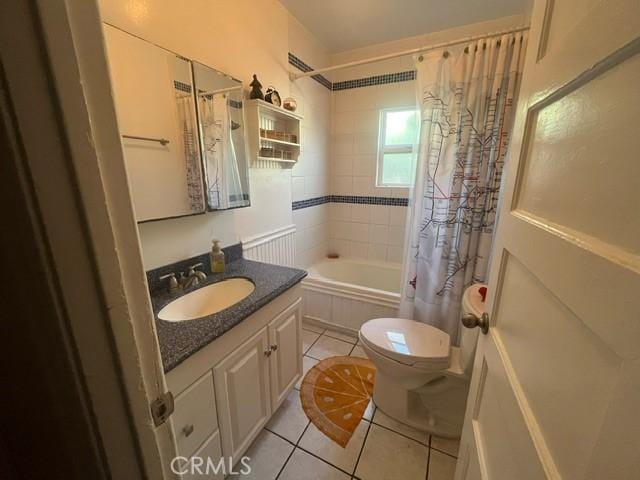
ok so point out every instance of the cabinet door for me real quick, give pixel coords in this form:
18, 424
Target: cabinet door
206, 462
194, 418
242, 394
285, 342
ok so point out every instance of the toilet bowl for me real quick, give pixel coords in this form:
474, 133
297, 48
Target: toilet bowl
422, 380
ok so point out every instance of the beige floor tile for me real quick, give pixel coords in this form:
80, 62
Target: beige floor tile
358, 352
322, 446
446, 445
308, 337
441, 466
389, 456
326, 347
342, 336
302, 466
385, 420
289, 421
267, 455
307, 363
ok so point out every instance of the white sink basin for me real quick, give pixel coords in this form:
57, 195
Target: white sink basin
207, 300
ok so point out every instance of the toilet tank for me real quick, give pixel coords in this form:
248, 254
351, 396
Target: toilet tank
472, 302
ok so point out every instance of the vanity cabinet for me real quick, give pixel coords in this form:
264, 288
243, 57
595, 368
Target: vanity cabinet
226, 392
252, 382
285, 340
242, 383
194, 418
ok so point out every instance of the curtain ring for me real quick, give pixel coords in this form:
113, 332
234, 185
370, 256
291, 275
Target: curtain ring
445, 54
420, 58
498, 43
466, 49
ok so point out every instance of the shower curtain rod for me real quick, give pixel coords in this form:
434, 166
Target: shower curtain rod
297, 75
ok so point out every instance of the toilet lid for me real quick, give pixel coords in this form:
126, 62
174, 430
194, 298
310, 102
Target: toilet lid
407, 341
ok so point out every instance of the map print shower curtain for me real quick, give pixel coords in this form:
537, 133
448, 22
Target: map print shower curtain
467, 99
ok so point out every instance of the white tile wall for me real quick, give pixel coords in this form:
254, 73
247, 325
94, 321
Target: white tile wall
367, 231
375, 232
310, 176
312, 234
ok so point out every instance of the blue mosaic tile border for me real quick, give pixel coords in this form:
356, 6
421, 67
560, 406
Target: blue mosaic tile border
386, 78
393, 201
181, 86
300, 65
405, 76
311, 202
366, 200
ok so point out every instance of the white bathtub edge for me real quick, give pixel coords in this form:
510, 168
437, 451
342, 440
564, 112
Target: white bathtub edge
346, 290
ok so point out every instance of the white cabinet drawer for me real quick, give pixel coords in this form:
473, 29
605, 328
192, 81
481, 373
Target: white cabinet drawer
194, 418
203, 462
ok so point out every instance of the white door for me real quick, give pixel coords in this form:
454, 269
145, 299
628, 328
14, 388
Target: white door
242, 394
285, 339
555, 391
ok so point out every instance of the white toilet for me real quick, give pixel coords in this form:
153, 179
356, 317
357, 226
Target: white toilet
422, 380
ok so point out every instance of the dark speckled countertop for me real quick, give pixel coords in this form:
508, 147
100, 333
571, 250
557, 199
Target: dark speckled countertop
180, 340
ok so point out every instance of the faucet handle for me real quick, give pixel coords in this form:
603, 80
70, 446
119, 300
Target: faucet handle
173, 282
192, 271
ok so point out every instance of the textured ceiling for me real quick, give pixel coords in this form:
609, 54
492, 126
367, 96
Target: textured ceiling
347, 24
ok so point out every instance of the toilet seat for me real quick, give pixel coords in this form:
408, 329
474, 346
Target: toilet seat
408, 342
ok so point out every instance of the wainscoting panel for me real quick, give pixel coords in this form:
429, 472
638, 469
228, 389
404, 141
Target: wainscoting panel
277, 247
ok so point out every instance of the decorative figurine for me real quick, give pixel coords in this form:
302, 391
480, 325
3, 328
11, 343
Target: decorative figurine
272, 96
256, 91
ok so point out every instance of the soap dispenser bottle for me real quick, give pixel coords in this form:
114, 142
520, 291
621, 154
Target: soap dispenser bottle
217, 258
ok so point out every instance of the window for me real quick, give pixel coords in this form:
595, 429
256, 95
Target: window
396, 139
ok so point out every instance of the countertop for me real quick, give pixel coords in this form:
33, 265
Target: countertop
179, 340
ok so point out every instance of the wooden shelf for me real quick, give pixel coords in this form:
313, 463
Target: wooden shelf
279, 142
271, 107
275, 159
262, 116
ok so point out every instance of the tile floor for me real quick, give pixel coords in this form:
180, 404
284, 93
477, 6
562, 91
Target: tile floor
291, 448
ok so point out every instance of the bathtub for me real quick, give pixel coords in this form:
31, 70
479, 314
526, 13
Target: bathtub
346, 292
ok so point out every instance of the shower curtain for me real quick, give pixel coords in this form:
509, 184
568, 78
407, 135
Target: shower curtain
220, 154
466, 98
186, 119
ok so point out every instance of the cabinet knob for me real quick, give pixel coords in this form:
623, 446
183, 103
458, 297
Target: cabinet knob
188, 430
274, 348
267, 353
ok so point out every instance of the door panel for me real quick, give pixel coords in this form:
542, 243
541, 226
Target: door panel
556, 381
566, 372
242, 394
285, 332
578, 146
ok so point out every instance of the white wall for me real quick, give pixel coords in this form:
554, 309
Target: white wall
240, 38
310, 176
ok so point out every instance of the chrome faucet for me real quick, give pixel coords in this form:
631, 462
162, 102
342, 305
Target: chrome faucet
191, 278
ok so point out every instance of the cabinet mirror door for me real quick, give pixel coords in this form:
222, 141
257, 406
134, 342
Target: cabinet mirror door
221, 124
154, 98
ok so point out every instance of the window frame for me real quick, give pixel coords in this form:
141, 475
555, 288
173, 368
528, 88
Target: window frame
390, 149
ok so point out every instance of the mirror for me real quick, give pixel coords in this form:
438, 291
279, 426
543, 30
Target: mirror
153, 94
178, 162
219, 101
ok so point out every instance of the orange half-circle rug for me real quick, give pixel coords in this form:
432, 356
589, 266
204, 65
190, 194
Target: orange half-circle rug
335, 394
